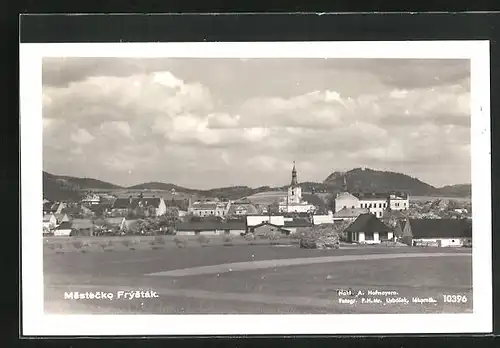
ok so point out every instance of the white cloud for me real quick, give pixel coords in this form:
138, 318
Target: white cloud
82, 136
167, 126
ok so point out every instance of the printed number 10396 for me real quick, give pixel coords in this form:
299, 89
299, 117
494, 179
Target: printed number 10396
455, 298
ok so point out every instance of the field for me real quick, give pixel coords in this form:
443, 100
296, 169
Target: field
266, 198
433, 198
244, 278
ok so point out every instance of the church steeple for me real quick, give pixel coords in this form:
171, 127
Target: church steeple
294, 176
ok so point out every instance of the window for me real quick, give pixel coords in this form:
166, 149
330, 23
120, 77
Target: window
380, 205
353, 207
370, 205
345, 206
226, 231
383, 236
368, 235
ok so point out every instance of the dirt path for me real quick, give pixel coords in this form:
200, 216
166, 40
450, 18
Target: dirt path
253, 265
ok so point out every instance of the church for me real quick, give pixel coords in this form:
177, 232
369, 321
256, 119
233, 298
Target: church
293, 202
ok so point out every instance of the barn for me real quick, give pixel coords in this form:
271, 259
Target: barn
437, 232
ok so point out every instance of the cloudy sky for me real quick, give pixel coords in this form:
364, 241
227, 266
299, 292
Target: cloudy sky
205, 123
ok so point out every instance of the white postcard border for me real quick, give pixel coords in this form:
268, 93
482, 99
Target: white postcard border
36, 323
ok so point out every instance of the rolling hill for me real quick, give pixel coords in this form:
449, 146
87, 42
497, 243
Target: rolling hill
358, 180
62, 188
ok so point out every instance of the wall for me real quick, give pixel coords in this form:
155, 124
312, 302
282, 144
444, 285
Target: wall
445, 242
377, 206
346, 202
185, 233
362, 238
257, 219
62, 232
322, 219
399, 204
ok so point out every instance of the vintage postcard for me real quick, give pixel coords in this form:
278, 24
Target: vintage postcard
256, 188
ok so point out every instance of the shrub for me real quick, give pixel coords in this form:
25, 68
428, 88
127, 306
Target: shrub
203, 240
249, 236
180, 243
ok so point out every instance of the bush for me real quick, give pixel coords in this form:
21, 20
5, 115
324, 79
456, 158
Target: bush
180, 243
203, 240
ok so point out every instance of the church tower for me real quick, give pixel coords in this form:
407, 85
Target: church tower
294, 191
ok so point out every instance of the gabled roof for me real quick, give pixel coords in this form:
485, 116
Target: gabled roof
210, 225
82, 223
345, 195
149, 202
47, 217
66, 225
270, 224
249, 207
350, 212
205, 206
368, 223
122, 203
440, 228
371, 196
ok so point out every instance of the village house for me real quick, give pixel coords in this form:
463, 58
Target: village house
61, 218
242, 208
210, 228
115, 222
291, 226
49, 221
63, 230
82, 227
148, 206
437, 232
367, 228
55, 208
349, 214
209, 208
376, 203
91, 199
399, 201
266, 229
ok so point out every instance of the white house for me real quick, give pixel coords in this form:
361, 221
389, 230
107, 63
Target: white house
49, 221
64, 229
91, 199
376, 203
437, 232
399, 201
367, 228
210, 208
254, 220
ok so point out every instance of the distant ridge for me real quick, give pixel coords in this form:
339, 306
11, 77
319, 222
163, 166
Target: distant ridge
358, 180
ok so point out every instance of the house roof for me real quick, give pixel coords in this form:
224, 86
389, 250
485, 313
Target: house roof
205, 206
298, 223
46, 218
114, 220
314, 200
249, 207
149, 202
71, 210
397, 214
123, 203
440, 228
82, 223
64, 226
270, 224
368, 223
350, 212
210, 225
345, 195
371, 196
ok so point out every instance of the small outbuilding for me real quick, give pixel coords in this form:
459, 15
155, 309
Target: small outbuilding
367, 228
437, 232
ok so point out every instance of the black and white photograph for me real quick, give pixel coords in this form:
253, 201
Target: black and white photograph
206, 188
